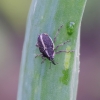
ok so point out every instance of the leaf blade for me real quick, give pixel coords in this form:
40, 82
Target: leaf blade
38, 82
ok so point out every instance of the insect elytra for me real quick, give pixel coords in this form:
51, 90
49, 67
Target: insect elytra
47, 48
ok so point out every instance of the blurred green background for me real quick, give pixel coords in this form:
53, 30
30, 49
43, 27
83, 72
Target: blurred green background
13, 16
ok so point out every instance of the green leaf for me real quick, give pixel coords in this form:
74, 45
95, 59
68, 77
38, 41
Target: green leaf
37, 81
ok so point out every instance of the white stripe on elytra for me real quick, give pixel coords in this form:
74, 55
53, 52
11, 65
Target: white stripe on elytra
41, 38
52, 43
53, 47
42, 42
47, 53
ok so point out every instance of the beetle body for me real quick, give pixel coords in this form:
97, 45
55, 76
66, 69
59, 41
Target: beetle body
46, 47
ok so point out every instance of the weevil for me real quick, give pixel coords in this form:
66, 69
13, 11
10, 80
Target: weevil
47, 48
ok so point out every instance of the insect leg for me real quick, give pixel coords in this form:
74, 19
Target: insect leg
38, 55
37, 45
50, 66
64, 51
43, 59
61, 44
57, 33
